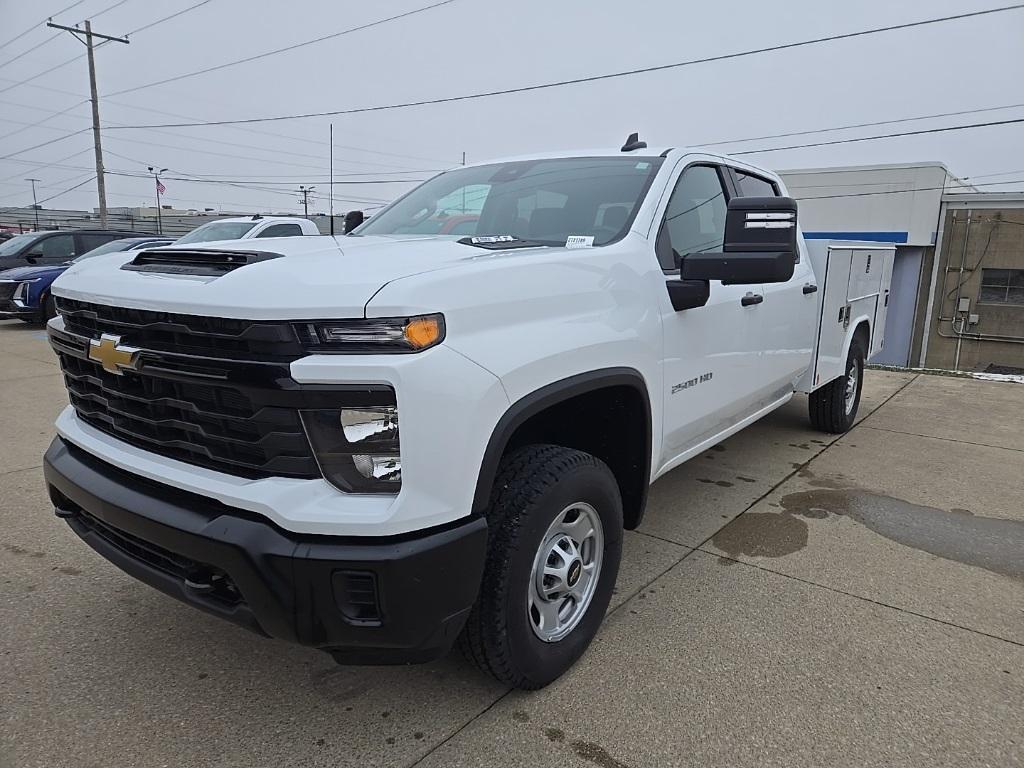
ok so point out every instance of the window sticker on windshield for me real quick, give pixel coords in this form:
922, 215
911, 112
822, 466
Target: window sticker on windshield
579, 241
642, 166
487, 239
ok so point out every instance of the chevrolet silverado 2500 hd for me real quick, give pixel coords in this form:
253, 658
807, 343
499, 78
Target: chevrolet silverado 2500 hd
385, 443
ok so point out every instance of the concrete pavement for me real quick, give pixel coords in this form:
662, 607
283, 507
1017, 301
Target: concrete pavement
791, 599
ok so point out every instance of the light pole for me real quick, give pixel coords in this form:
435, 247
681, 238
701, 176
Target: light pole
159, 189
35, 205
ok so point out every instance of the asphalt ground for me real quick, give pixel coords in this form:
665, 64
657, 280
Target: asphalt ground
791, 599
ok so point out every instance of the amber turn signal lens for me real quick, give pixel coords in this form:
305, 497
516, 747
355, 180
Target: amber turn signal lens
422, 332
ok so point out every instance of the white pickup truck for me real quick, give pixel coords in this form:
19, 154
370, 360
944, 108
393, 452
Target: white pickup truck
388, 442
249, 228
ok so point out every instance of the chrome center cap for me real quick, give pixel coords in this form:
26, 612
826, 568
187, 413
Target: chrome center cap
573, 575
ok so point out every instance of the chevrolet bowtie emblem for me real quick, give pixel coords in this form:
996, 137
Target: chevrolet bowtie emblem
108, 352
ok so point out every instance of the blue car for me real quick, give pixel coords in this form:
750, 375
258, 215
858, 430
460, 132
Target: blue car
25, 291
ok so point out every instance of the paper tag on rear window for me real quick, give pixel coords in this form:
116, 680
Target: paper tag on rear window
579, 241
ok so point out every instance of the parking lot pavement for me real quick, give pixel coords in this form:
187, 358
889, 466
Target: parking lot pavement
791, 599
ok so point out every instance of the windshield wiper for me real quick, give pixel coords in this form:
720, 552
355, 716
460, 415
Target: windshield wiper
502, 242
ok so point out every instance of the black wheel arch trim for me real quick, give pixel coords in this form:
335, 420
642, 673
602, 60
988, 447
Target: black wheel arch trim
552, 394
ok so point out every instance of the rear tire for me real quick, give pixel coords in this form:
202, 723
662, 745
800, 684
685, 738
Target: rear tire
833, 408
554, 546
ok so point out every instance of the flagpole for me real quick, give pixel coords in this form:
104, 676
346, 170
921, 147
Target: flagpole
159, 219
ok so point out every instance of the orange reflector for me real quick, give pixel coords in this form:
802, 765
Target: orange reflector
422, 332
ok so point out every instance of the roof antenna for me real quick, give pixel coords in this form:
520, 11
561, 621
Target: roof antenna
256, 217
633, 142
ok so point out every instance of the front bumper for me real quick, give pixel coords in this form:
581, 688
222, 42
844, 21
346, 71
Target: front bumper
10, 309
376, 600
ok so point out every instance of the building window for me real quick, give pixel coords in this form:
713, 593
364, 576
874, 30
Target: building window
1002, 286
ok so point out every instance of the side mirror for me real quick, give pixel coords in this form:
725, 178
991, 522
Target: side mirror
760, 244
32, 255
352, 220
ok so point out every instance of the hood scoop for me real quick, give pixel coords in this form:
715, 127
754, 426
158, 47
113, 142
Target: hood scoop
201, 261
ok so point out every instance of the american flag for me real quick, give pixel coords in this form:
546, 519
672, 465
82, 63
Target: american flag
160, 188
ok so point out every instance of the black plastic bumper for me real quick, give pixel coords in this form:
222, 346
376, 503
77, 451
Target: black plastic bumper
366, 601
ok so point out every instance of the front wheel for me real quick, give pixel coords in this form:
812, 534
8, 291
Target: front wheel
833, 408
555, 542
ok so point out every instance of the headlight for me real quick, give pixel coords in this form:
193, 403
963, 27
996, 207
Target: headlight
21, 292
372, 335
357, 448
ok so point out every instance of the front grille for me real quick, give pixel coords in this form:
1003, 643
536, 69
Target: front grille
209, 424
227, 338
213, 582
7, 291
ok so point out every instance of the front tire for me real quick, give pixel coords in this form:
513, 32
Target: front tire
555, 542
49, 308
833, 408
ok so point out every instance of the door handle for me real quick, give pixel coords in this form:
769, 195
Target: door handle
808, 288
751, 298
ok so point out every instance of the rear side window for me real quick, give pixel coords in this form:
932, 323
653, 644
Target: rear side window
281, 230
94, 240
754, 186
695, 219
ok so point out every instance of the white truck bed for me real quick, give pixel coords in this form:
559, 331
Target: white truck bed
854, 279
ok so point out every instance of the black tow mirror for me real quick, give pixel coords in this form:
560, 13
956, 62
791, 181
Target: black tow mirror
760, 244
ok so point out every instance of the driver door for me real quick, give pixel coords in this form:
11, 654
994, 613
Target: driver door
711, 353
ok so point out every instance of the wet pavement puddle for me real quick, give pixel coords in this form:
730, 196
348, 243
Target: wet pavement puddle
995, 544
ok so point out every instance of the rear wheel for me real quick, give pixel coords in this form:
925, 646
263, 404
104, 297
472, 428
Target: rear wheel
833, 408
555, 541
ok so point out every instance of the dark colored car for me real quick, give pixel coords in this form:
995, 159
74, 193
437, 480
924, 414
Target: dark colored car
25, 290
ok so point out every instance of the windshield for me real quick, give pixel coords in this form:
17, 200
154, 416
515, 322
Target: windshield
544, 201
18, 242
217, 230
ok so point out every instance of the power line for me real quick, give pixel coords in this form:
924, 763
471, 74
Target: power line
280, 50
883, 136
76, 58
903, 191
36, 25
595, 78
167, 18
860, 125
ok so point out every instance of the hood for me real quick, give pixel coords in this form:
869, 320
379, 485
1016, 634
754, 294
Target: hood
316, 277
31, 273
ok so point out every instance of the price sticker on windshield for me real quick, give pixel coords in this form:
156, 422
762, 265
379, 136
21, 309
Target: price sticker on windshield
579, 241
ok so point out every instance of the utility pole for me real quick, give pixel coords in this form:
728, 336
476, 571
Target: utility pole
35, 205
101, 186
159, 190
304, 191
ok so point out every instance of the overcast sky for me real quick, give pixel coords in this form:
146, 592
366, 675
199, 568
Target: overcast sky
468, 46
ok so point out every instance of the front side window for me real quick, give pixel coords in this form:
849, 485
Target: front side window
1002, 286
695, 218
281, 230
57, 248
754, 186
216, 230
545, 201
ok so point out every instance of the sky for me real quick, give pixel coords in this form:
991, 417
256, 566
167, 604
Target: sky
467, 46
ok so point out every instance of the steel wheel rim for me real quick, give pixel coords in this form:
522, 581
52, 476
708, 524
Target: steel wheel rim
565, 572
852, 379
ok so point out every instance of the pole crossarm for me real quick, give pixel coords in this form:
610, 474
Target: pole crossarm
79, 31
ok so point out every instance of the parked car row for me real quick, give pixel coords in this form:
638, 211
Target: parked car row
29, 263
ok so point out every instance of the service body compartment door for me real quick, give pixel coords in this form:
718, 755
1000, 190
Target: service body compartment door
834, 306
853, 281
